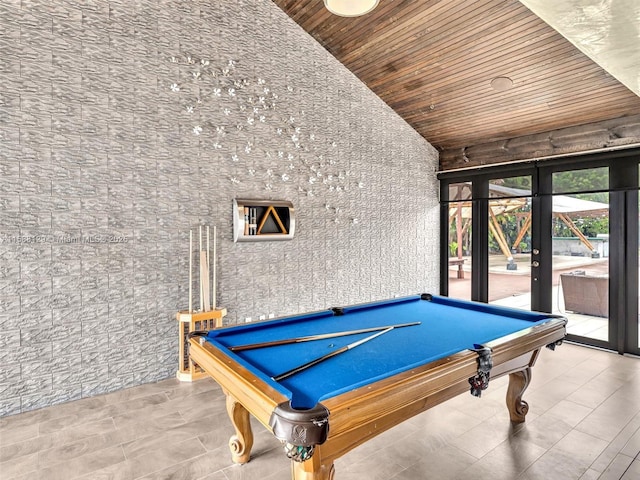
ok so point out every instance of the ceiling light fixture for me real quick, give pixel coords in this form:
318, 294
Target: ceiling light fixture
501, 84
350, 8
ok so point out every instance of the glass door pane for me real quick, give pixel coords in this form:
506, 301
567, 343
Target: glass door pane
581, 251
460, 240
510, 242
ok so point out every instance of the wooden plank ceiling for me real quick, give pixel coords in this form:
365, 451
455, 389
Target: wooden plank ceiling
434, 61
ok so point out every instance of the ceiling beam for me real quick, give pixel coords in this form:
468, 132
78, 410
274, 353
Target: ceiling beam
605, 135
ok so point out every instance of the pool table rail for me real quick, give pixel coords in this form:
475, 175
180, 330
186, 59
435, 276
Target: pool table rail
359, 415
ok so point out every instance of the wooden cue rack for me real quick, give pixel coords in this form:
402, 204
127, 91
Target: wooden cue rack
190, 322
207, 317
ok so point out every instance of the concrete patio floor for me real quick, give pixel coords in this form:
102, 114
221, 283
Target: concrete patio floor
512, 288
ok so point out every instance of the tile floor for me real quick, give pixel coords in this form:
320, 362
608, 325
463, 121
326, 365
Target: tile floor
583, 423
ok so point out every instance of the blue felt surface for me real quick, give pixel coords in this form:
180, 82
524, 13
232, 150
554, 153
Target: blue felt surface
447, 327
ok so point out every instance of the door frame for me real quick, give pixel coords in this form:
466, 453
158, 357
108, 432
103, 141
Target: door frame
623, 240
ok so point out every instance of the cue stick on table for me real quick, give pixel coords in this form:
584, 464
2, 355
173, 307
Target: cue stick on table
316, 361
322, 336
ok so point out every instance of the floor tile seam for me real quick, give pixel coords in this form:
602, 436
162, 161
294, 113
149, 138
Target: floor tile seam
593, 375
545, 385
146, 474
123, 421
587, 362
115, 409
80, 417
573, 404
135, 455
580, 428
123, 463
608, 442
631, 460
617, 454
577, 427
206, 450
511, 436
126, 425
550, 449
34, 469
85, 475
76, 457
631, 437
87, 405
79, 438
4, 434
400, 472
15, 457
183, 462
190, 459
614, 446
166, 433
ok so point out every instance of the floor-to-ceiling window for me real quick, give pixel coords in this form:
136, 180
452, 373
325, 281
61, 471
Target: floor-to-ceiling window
559, 236
509, 241
459, 218
580, 250
635, 336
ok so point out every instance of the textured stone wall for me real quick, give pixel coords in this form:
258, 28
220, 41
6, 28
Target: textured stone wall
124, 124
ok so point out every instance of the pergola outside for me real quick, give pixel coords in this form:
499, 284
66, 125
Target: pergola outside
516, 201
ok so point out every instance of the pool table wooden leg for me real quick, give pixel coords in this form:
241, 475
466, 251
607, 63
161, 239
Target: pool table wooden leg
518, 383
240, 443
312, 469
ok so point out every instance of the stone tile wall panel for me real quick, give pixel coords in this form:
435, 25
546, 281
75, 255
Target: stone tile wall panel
95, 144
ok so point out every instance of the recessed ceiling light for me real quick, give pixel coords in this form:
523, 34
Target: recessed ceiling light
501, 84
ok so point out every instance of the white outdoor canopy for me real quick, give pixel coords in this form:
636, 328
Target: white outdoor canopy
507, 199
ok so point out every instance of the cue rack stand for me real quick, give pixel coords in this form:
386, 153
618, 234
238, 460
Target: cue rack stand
208, 316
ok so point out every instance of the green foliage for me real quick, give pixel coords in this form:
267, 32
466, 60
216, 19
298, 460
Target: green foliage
589, 179
523, 182
511, 224
590, 227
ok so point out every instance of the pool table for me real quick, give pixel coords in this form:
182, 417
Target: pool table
440, 348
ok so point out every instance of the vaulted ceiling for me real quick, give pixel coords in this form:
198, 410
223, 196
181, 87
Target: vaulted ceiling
468, 73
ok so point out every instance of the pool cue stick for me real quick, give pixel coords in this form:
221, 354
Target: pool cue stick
200, 265
204, 278
254, 212
299, 369
213, 287
208, 267
190, 271
322, 336
205, 288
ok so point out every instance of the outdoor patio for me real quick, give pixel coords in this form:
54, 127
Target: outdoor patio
512, 288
